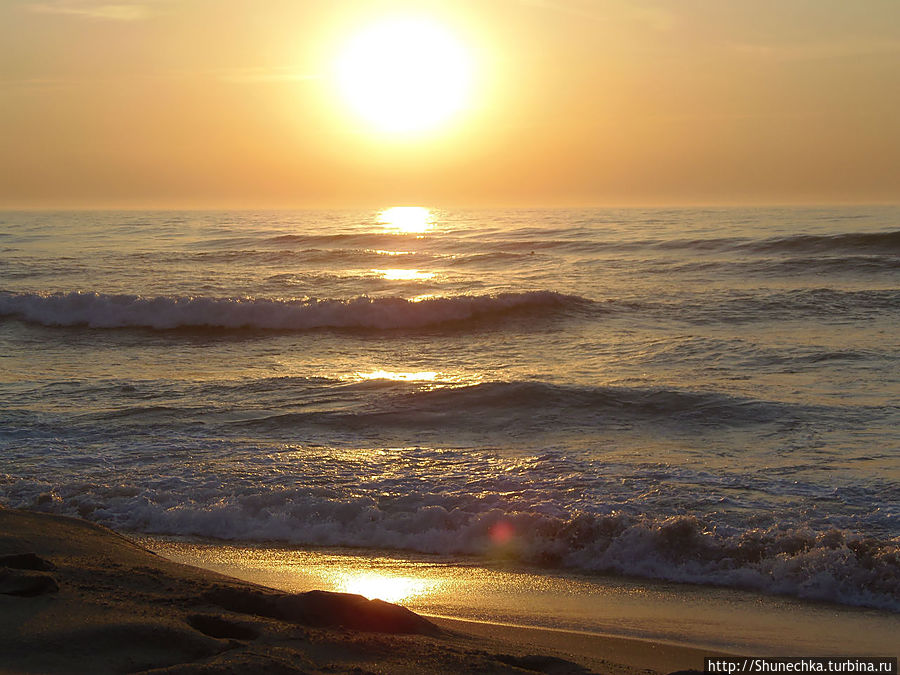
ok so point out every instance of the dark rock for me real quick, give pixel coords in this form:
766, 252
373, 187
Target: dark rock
540, 663
218, 627
26, 561
237, 663
324, 609
26, 583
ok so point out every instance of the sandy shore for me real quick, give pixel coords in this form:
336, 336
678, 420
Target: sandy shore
79, 598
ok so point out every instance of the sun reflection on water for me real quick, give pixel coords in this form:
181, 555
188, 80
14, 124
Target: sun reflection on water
406, 219
422, 376
379, 251
404, 275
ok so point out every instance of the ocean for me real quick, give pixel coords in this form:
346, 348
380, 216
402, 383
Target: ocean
709, 396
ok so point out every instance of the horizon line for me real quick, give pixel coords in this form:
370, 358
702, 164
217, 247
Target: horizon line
484, 207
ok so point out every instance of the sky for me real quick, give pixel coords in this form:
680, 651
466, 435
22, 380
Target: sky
234, 104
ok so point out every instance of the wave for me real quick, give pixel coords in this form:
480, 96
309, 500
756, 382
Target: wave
100, 310
813, 302
740, 306
850, 243
336, 257
770, 268
844, 264
396, 412
830, 564
358, 240
873, 242
388, 410
646, 403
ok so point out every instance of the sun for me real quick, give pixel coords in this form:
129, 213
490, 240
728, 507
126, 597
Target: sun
405, 75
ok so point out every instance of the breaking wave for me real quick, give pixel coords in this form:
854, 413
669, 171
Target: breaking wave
831, 565
99, 310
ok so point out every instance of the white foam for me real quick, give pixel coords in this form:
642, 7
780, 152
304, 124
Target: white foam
829, 565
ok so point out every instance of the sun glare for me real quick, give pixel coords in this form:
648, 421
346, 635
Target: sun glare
422, 376
404, 275
405, 75
389, 588
406, 219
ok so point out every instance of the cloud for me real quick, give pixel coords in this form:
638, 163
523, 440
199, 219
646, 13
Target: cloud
91, 9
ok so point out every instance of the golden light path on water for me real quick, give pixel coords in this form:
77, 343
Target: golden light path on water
404, 275
422, 376
406, 219
427, 379
378, 251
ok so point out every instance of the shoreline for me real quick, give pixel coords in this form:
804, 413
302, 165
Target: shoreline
712, 619
638, 653
79, 597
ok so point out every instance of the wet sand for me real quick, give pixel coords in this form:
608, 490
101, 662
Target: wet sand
500, 591
79, 598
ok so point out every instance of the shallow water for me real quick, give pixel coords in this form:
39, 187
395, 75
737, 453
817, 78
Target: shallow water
500, 592
707, 396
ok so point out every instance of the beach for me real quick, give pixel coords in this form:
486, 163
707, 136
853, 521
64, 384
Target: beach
614, 427
79, 598
499, 593
518, 336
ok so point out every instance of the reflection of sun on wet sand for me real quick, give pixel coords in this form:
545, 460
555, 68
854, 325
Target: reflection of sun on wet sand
390, 588
584, 611
78, 598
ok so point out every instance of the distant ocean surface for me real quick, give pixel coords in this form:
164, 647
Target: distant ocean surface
708, 396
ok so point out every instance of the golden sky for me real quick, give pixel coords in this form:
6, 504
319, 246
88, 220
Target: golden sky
233, 103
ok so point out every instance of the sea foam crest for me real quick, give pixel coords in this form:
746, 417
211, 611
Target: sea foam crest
100, 310
831, 565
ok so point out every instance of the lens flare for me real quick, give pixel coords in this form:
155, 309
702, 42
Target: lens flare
501, 532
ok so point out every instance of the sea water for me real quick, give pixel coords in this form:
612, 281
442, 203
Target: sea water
708, 396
